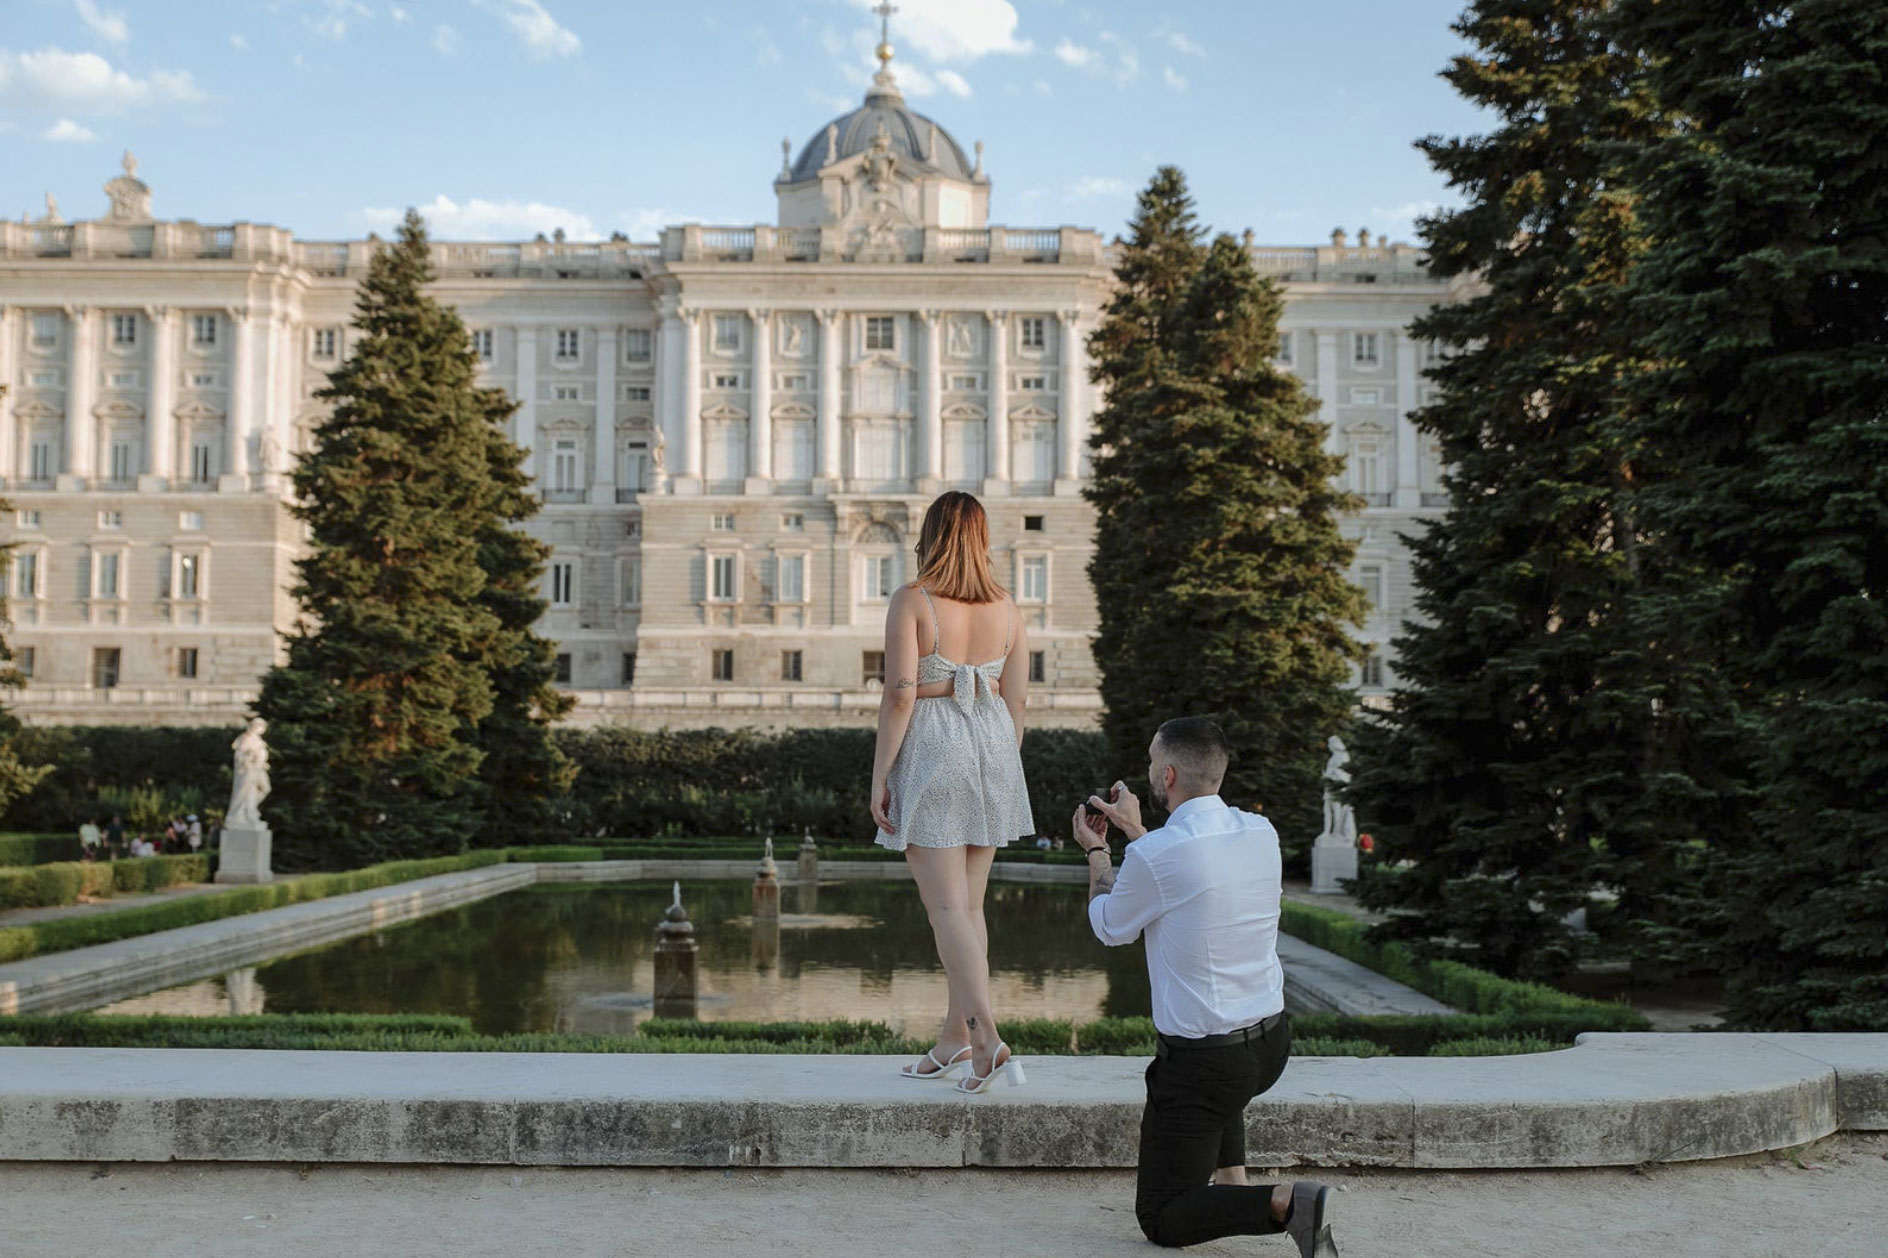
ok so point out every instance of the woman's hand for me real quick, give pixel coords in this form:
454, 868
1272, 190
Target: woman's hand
882, 805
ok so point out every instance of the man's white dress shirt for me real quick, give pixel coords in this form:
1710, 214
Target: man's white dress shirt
1205, 889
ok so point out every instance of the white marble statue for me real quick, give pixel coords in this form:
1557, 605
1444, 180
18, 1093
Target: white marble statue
249, 778
1340, 819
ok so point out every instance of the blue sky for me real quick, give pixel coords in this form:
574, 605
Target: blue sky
501, 118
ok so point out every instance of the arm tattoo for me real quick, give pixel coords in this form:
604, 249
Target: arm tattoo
904, 683
1101, 883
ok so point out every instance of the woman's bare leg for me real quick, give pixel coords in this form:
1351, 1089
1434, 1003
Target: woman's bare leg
943, 877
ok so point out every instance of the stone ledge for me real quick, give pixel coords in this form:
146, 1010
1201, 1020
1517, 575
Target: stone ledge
1612, 1100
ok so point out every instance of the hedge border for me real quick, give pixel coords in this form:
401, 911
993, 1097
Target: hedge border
64, 882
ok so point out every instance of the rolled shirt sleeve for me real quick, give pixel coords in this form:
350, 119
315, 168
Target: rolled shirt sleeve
1120, 916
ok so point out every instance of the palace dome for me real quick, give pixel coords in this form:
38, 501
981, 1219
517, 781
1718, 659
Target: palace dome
914, 137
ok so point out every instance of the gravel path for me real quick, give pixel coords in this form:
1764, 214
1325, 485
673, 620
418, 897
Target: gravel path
1826, 1201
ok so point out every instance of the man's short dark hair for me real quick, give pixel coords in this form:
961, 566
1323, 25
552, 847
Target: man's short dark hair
1197, 747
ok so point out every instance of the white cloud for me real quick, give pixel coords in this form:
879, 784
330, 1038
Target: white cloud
955, 30
239, 43
332, 19
445, 40
110, 27
1178, 41
647, 224
66, 131
1043, 88
1127, 65
1173, 78
1400, 220
836, 103
768, 53
953, 82
54, 81
1070, 53
542, 34
1099, 186
478, 219
399, 15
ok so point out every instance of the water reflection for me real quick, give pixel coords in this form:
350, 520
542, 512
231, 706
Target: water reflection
579, 959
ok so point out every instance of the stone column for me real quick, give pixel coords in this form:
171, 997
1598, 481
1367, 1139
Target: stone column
929, 455
826, 426
9, 436
1071, 427
760, 419
526, 389
996, 456
81, 394
1327, 389
278, 402
1408, 479
668, 394
603, 434
691, 398
242, 401
160, 421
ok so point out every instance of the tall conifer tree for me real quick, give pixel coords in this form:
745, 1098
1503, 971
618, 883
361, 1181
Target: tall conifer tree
374, 716
1520, 764
1219, 567
1764, 305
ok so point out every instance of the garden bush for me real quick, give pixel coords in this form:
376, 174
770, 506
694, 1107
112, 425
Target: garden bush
38, 886
98, 768
38, 849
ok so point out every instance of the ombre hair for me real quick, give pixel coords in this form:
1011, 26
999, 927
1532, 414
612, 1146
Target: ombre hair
954, 551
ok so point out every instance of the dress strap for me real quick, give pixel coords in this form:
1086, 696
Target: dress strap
1009, 621
937, 636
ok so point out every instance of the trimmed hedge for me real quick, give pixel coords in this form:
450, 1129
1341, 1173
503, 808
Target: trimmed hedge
39, 886
436, 1033
1451, 982
750, 850
18, 942
38, 849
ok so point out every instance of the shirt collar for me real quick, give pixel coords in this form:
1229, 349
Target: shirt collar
1199, 805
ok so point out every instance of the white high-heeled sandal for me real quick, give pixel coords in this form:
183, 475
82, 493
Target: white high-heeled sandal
959, 1062
1009, 1074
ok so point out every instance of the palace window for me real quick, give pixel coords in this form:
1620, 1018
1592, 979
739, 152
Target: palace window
561, 668
629, 668
725, 380
124, 330
203, 379
26, 574
111, 520
796, 382
202, 465
881, 332
24, 658
635, 393
727, 333
190, 521
482, 344
566, 465
187, 662
790, 666
45, 331
44, 379
872, 668
722, 522
324, 343
1372, 672
880, 577
566, 393
189, 575
723, 578
630, 582
1032, 524
722, 662
966, 384
569, 345
638, 345
1032, 384
124, 463
1038, 669
203, 331
793, 522
123, 380
1284, 349
1370, 576
1367, 467
40, 460
105, 665
563, 583
1033, 331
790, 582
1033, 579
107, 573
28, 519
1366, 349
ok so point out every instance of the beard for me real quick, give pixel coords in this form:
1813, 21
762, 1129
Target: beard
1156, 791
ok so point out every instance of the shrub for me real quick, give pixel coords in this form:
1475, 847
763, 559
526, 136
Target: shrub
1314, 1047
64, 933
37, 886
91, 763
1494, 1046
38, 849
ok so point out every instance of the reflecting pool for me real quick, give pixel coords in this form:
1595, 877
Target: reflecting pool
579, 958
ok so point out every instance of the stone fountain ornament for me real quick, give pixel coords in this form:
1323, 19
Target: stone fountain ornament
245, 849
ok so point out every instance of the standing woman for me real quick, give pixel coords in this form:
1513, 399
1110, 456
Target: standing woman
947, 779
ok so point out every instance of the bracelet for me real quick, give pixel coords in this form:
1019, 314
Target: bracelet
1099, 847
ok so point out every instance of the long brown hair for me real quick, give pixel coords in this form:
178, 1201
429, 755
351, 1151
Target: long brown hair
954, 551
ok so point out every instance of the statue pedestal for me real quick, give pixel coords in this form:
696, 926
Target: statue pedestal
244, 856
1333, 860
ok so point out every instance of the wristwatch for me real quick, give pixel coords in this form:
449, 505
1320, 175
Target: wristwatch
1090, 851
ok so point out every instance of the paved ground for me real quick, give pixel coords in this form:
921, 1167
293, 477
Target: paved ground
1826, 1201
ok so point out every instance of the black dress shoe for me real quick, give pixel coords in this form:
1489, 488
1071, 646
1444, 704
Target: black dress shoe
1309, 1222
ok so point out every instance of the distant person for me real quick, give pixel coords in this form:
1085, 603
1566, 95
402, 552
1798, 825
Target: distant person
173, 838
115, 833
947, 773
1204, 889
88, 839
195, 831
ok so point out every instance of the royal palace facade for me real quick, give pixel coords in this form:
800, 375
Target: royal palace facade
735, 431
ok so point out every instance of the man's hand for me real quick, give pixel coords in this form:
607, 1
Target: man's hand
1091, 828
1124, 811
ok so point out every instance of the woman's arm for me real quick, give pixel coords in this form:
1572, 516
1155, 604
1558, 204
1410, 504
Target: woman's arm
1015, 680
894, 704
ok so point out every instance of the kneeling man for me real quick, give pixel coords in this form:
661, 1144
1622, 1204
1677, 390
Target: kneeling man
1204, 888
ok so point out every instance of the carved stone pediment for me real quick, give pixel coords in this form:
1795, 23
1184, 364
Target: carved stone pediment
197, 412
877, 522
965, 410
118, 409
35, 408
723, 411
1032, 411
793, 410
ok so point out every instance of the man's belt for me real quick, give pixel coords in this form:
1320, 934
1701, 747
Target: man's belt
1244, 1035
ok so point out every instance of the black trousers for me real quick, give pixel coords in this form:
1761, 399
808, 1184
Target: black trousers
1194, 1124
